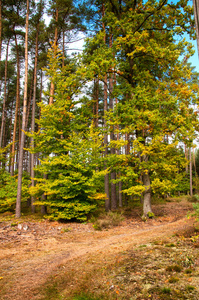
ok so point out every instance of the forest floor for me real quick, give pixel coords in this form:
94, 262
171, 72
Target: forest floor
156, 259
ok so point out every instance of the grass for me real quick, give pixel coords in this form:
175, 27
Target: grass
107, 220
174, 268
84, 296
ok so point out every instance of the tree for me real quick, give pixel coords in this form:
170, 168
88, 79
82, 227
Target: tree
70, 150
20, 167
38, 19
146, 62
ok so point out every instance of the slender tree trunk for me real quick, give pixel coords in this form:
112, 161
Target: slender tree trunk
20, 169
63, 49
16, 109
44, 197
11, 134
96, 102
32, 157
186, 156
5, 96
112, 137
118, 153
190, 173
29, 101
106, 177
52, 86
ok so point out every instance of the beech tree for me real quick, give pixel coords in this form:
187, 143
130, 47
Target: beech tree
151, 82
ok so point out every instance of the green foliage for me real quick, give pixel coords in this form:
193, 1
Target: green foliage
155, 91
71, 184
150, 215
195, 200
196, 208
71, 152
8, 191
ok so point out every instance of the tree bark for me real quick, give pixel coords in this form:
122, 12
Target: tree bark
112, 137
20, 169
32, 157
190, 173
52, 86
16, 109
106, 177
5, 96
147, 193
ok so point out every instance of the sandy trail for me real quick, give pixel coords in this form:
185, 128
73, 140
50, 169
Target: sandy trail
29, 258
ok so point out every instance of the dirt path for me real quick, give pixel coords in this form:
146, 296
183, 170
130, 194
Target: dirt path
31, 252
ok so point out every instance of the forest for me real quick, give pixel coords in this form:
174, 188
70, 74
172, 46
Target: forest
100, 125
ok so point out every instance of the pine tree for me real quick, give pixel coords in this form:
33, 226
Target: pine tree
20, 168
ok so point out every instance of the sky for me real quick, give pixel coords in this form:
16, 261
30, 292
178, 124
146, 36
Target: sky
194, 60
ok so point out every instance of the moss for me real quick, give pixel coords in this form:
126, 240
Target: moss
150, 215
166, 290
173, 279
170, 245
190, 288
174, 268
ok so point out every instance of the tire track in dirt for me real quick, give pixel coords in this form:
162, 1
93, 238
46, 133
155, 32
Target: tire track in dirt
27, 267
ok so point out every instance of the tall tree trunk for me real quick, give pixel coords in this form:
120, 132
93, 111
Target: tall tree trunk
16, 109
106, 177
11, 134
5, 96
44, 197
63, 48
112, 137
190, 173
118, 153
32, 157
186, 156
20, 169
52, 86
96, 102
